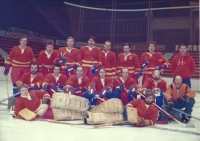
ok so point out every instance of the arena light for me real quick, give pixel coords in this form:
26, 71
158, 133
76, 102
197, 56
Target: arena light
129, 10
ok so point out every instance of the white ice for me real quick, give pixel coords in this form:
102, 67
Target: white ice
12, 129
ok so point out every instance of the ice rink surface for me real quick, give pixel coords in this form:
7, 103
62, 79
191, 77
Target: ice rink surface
12, 129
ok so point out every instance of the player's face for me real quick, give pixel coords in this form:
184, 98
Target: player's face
23, 41
49, 48
183, 49
178, 81
24, 91
34, 69
102, 73
107, 46
156, 75
79, 71
126, 49
70, 42
125, 73
151, 48
149, 100
56, 70
91, 42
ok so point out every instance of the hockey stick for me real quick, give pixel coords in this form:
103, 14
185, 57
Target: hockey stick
9, 97
184, 113
184, 125
7, 85
110, 124
61, 122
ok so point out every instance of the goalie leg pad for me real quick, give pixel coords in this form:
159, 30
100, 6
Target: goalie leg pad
113, 105
68, 101
101, 118
65, 114
132, 115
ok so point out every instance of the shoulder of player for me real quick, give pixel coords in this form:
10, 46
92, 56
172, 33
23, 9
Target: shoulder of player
39, 74
134, 54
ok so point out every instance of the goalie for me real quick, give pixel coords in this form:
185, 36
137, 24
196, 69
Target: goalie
32, 104
142, 113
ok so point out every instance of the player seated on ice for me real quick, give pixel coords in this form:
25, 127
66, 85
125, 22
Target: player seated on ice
142, 113
100, 88
32, 104
54, 82
157, 85
77, 84
32, 79
124, 87
179, 95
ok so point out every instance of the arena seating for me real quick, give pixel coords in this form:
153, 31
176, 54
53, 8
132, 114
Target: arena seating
1, 61
195, 56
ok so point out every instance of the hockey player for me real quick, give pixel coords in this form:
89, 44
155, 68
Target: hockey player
20, 58
124, 87
72, 56
100, 88
128, 60
157, 85
47, 58
77, 84
146, 112
32, 79
91, 58
54, 82
152, 60
180, 95
36, 101
108, 59
183, 64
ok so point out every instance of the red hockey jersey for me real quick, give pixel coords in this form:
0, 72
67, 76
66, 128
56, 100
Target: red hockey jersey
127, 84
32, 82
99, 85
147, 112
21, 58
130, 62
73, 56
50, 78
73, 81
32, 103
153, 60
90, 57
150, 84
45, 61
109, 62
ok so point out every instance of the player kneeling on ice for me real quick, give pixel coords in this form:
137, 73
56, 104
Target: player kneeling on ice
179, 95
32, 104
142, 113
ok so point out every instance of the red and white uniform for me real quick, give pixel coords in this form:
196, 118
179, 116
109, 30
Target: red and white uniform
100, 84
46, 61
130, 62
109, 62
31, 81
50, 78
20, 60
148, 112
124, 93
153, 60
89, 57
150, 84
75, 82
32, 102
72, 56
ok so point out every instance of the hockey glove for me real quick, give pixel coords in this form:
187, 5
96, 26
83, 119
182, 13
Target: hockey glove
170, 104
6, 69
